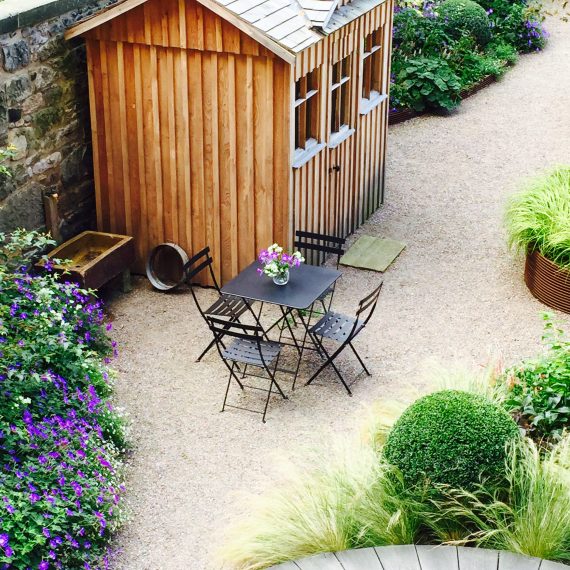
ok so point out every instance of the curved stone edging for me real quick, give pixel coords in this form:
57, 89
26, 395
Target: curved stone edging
420, 558
407, 114
547, 282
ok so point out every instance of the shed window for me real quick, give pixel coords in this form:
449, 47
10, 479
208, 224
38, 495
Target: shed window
307, 111
372, 67
340, 95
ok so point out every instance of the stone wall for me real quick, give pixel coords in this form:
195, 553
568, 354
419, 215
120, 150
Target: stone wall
44, 114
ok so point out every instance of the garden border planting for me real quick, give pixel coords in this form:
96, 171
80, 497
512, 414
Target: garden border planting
403, 115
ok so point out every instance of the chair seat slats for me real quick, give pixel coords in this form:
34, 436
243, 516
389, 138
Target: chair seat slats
336, 326
247, 352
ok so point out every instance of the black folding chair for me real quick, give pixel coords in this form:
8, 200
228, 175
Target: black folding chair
343, 329
315, 247
225, 306
248, 348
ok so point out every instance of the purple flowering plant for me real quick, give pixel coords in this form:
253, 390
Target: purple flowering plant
276, 261
61, 441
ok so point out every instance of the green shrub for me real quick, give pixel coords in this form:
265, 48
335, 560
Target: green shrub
466, 17
538, 217
503, 52
539, 390
451, 438
425, 82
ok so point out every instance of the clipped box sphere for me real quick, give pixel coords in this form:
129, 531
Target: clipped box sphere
452, 438
462, 16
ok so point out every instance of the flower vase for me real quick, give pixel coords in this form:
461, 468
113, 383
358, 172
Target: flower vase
282, 278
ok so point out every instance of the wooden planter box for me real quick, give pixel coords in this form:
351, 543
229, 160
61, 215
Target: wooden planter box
96, 258
547, 282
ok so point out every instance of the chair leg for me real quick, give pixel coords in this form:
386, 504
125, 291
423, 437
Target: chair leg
206, 350
359, 359
232, 375
330, 362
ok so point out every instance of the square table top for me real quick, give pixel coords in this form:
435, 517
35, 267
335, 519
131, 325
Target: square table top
306, 284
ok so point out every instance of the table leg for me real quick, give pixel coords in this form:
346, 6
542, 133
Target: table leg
306, 326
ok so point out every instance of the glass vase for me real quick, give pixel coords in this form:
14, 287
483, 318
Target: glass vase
282, 278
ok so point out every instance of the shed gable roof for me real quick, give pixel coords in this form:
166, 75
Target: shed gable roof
285, 27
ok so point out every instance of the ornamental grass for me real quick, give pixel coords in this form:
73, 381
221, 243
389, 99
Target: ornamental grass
538, 217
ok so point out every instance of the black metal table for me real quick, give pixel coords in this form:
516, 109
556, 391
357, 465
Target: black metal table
306, 284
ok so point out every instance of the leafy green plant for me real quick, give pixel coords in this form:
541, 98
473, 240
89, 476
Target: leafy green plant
538, 217
60, 439
539, 390
529, 514
426, 82
502, 51
466, 17
452, 438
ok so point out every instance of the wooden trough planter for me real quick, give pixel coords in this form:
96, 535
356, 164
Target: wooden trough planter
96, 258
547, 282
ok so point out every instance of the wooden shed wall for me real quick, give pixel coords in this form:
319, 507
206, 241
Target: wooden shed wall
190, 121
334, 202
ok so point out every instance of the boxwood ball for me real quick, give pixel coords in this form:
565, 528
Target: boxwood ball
466, 16
451, 437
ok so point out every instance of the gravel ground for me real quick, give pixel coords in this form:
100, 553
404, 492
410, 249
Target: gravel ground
455, 294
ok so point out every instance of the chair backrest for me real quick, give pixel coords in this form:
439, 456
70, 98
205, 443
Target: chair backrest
367, 306
315, 247
196, 265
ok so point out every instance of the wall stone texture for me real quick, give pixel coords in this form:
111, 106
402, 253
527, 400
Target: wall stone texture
44, 116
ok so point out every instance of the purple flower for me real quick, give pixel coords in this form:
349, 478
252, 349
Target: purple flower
43, 565
9, 552
46, 532
34, 498
4, 540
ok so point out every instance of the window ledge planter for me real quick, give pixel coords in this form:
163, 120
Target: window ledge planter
547, 282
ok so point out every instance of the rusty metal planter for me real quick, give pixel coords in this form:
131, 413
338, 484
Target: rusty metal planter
547, 282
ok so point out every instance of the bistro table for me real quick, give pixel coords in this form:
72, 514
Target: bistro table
306, 284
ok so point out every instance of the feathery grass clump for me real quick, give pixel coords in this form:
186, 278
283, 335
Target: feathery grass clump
538, 217
346, 497
530, 514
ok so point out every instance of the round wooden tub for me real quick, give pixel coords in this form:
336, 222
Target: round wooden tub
547, 282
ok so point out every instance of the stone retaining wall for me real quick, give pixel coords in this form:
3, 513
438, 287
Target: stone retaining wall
44, 114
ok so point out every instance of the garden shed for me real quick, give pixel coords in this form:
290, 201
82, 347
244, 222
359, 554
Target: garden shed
231, 123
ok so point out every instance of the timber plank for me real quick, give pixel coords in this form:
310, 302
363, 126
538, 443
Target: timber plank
399, 558
510, 561
327, 561
359, 559
477, 558
438, 557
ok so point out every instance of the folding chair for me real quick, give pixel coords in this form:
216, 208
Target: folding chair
343, 330
247, 349
314, 248
225, 306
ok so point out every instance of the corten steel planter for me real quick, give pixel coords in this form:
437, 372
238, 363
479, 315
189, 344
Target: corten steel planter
547, 282
96, 258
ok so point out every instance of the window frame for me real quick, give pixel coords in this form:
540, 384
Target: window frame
307, 104
340, 101
372, 71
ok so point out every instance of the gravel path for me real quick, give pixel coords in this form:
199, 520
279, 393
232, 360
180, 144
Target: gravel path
455, 294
